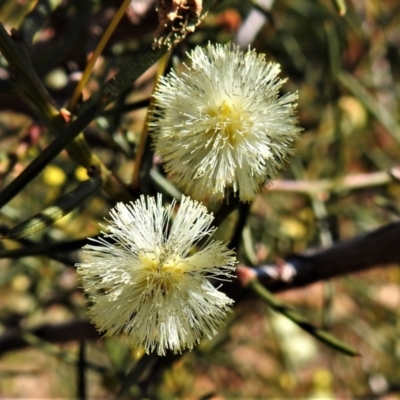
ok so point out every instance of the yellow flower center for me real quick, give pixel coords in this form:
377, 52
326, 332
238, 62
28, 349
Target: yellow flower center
228, 122
163, 273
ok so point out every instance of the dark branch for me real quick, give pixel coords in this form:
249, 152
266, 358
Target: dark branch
76, 330
377, 248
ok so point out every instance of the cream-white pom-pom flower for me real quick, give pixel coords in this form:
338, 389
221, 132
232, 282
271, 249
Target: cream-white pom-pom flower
145, 279
221, 124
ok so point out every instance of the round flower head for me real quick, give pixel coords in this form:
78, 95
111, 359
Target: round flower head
221, 125
145, 281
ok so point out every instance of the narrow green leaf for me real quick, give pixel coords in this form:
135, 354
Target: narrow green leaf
127, 75
36, 18
38, 249
64, 205
164, 185
332, 38
340, 6
26, 80
136, 372
49, 153
280, 307
370, 103
120, 109
53, 350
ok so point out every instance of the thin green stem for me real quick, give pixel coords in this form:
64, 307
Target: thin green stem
280, 307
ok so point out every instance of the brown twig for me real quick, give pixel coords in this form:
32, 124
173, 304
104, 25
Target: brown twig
347, 183
380, 247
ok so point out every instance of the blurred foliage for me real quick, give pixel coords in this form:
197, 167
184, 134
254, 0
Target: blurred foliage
346, 70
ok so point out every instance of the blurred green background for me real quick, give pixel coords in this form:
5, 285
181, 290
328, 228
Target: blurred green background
346, 70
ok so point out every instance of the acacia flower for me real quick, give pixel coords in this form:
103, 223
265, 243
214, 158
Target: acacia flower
221, 124
145, 279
